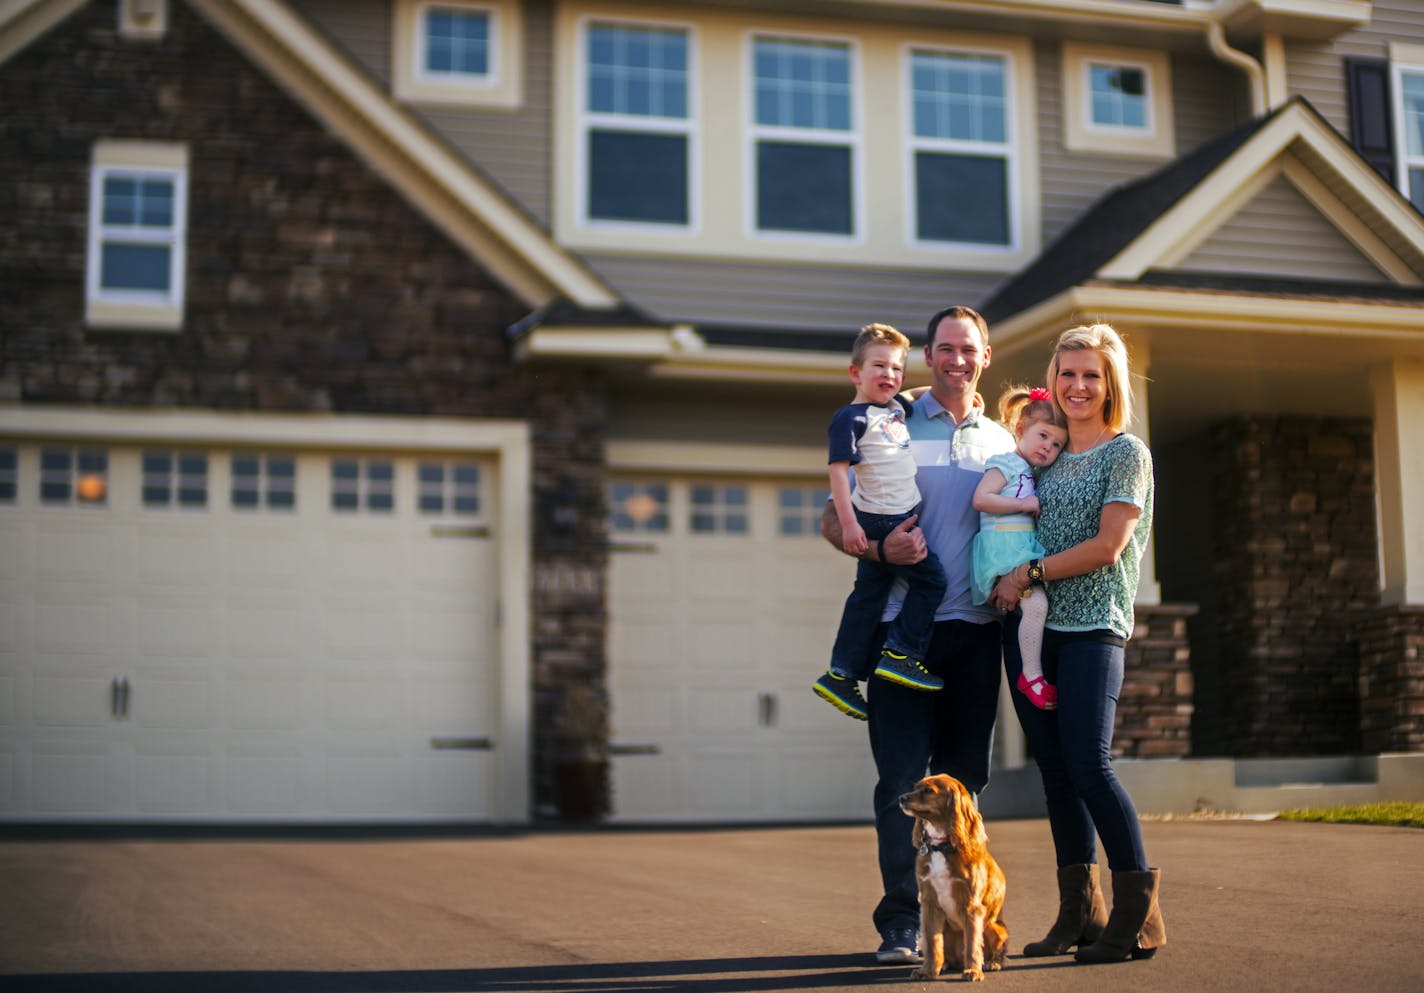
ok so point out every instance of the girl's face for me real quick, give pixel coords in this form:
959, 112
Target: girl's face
1040, 442
880, 374
1081, 387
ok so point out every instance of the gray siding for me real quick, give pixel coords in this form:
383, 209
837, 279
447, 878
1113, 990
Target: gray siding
1280, 233
1317, 71
511, 147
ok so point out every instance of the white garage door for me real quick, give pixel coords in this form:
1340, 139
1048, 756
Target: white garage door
207, 633
723, 606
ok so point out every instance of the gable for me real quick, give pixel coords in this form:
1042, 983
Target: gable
1282, 234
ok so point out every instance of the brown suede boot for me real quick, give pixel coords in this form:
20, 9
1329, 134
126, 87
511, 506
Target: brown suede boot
1081, 912
1135, 925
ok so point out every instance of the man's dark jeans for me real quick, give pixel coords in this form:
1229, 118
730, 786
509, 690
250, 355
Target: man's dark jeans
914, 733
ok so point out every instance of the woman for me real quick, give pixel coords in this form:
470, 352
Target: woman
1096, 515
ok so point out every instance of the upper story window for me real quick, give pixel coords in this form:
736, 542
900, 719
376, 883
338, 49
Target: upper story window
138, 221
960, 148
804, 138
1117, 101
637, 125
457, 51
1409, 115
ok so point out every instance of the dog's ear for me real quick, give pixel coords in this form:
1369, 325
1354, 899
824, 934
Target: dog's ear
968, 824
917, 833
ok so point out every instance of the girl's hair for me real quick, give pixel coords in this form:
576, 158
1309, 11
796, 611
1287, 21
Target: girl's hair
876, 334
1117, 384
1022, 404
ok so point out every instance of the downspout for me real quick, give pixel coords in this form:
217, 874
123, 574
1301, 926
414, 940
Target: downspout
1256, 75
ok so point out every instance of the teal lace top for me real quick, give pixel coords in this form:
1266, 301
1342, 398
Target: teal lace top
1073, 492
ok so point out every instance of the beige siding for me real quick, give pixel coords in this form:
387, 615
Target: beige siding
1317, 72
1280, 233
510, 147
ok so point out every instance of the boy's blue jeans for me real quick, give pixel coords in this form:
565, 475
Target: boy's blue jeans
1073, 747
854, 656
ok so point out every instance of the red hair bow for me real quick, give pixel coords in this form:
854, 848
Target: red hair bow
1038, 393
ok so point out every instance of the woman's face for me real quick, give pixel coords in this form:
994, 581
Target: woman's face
1081, 388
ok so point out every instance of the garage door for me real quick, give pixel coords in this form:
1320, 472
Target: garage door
723, 605
220, 633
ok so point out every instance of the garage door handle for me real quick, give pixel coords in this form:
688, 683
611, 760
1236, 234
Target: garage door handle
459, 531
463, 744
634, 750
119, 697
642, 547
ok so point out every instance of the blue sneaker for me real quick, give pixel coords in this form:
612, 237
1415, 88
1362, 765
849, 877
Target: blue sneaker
907, 672
899, 945
841, 693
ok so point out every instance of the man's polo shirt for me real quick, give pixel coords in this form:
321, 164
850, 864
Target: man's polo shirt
949, 461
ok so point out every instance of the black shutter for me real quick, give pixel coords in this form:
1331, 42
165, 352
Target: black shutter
1371, 131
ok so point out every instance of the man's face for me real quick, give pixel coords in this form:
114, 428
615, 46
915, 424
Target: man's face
957, 357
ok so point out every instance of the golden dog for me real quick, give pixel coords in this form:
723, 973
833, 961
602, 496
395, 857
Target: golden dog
961, 886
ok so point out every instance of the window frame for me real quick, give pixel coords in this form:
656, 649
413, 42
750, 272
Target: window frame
1157, 140
853, 139
501, 87
134, 309
587, 121
1009, 150
1404, 60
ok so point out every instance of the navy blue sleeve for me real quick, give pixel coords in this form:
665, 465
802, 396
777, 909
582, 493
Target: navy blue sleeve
845, 432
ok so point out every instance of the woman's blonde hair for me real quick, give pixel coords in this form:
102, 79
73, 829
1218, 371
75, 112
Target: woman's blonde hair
1117, 381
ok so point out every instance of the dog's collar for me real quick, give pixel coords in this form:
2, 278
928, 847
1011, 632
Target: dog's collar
944, 847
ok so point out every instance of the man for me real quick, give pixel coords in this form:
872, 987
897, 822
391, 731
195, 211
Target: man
912, 732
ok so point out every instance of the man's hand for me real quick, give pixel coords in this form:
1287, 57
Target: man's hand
905, 545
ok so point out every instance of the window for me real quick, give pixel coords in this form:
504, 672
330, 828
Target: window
363, 484
637, 126
1409, 113
9, 474
1117, 101
800, 509
718, 509
175, 479
264, 482
804, 140
960, 148
448, 488
638, 508
457, 51
137, 233
78, 476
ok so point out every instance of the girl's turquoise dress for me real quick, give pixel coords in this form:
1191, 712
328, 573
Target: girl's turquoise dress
1004, 540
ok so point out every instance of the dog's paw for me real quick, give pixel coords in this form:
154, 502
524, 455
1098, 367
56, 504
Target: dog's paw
994, 965
972, 975
920, 972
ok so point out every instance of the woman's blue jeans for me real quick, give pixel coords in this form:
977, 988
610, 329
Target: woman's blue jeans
1073, 748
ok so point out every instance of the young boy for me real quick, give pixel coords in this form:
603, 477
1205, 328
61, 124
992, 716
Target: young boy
870, 435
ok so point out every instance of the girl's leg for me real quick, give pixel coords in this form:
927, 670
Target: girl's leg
1089, 679
1034, 610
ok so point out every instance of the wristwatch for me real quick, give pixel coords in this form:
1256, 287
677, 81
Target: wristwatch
1035, 571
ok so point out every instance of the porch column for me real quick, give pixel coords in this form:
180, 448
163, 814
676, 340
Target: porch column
1399, 470
1149, 591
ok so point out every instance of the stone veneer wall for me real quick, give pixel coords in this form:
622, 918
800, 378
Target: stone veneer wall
1296, 564
312, 286
1154, 710
1392, 679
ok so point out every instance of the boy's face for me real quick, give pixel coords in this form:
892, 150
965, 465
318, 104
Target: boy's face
878, 377
1040, 443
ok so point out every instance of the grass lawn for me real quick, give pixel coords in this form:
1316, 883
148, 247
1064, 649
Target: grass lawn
1396, 814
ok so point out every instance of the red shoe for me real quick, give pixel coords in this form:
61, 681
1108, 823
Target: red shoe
1040, 692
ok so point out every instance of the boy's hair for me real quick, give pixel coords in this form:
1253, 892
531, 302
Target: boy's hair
876, 334
1029, 404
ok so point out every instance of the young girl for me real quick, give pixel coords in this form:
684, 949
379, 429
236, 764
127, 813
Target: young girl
1008, 503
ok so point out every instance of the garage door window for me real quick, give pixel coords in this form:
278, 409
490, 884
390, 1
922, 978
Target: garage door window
639, 508
175, 479
363, 484
451, 488
719, 509
9, 475
800, 510
264, 482
78, 476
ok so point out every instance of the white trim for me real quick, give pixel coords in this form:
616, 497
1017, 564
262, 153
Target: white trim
1157, 139
506, 441
137, 309
22, 21
1405, 60
501, 86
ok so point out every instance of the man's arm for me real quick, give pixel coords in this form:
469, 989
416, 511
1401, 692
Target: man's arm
903, 546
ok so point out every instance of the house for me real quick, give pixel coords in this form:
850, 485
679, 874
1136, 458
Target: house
402, 401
